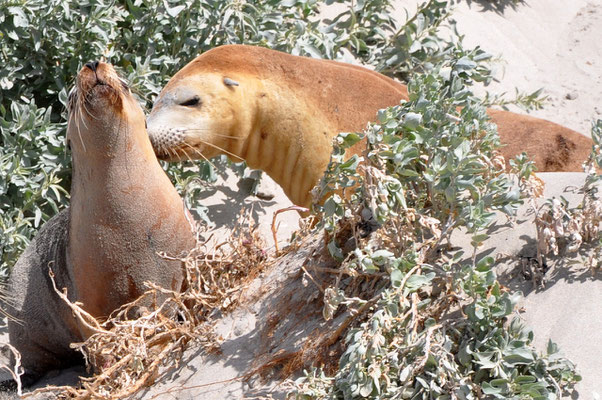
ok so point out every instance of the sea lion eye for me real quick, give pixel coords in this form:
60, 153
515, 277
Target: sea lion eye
193, 101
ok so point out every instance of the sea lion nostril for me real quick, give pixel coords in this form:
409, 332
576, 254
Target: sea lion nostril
93, 65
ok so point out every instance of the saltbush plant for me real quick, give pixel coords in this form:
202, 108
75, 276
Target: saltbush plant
441, 326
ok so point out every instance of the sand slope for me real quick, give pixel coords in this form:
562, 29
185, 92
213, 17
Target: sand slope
554, 44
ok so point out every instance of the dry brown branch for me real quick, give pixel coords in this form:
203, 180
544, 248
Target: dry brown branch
87, 320
16, 371
275, 227
557, 224
127, 351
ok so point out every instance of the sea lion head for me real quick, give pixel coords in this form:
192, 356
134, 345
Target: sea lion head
101, 102
198, 115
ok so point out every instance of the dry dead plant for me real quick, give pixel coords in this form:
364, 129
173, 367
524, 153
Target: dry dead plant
125, 352
556, 223
275, 226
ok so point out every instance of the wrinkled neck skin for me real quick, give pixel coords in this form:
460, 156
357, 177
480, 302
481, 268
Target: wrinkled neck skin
279, 139
124, 210
261, 121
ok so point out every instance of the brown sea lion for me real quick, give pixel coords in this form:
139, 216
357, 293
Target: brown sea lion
104, 246
280, 112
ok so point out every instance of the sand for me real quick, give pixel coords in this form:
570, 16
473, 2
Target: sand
549, 44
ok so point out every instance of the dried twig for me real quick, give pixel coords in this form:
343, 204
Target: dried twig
17, 370
127, 353
275, 227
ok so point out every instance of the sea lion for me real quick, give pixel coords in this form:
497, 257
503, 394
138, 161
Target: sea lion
280, 113
102, 248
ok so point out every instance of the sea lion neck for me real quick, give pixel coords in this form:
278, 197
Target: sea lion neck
122, 205
277, 144
108, 139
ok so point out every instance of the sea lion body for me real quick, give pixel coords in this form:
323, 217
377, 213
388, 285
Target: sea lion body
282, 112
124, 210
43, 325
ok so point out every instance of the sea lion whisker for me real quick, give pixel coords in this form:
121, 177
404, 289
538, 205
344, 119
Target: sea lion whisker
139, 95
83, 103
161, 152
81, 139
89, 95
200, 154
124, 85
77, 124
187, 155
222, 149
212, 133
79, 117
72, 98
175, 154
171, 152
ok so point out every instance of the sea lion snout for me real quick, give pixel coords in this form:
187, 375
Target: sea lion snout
97, 74
98, 89
97, 96
201, 116
164, 138
93, 65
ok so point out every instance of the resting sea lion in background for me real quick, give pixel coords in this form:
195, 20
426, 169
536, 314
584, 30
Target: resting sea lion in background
104, 246
280, 113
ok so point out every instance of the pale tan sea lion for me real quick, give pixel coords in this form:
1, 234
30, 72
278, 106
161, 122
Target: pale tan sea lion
280, 112
123, 211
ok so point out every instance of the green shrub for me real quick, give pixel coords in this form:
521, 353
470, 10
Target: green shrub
440, 325
31, 180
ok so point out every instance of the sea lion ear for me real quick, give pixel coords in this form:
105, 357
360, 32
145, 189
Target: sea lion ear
230, 82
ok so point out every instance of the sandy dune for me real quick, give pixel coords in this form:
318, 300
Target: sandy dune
550, 44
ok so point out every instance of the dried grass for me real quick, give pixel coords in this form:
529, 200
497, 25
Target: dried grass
126, 354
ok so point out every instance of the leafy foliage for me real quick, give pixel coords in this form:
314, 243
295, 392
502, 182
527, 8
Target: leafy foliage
441, 326
426, 156
30, 182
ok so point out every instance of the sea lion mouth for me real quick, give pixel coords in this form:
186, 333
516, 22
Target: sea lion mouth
94, 81
174, 154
